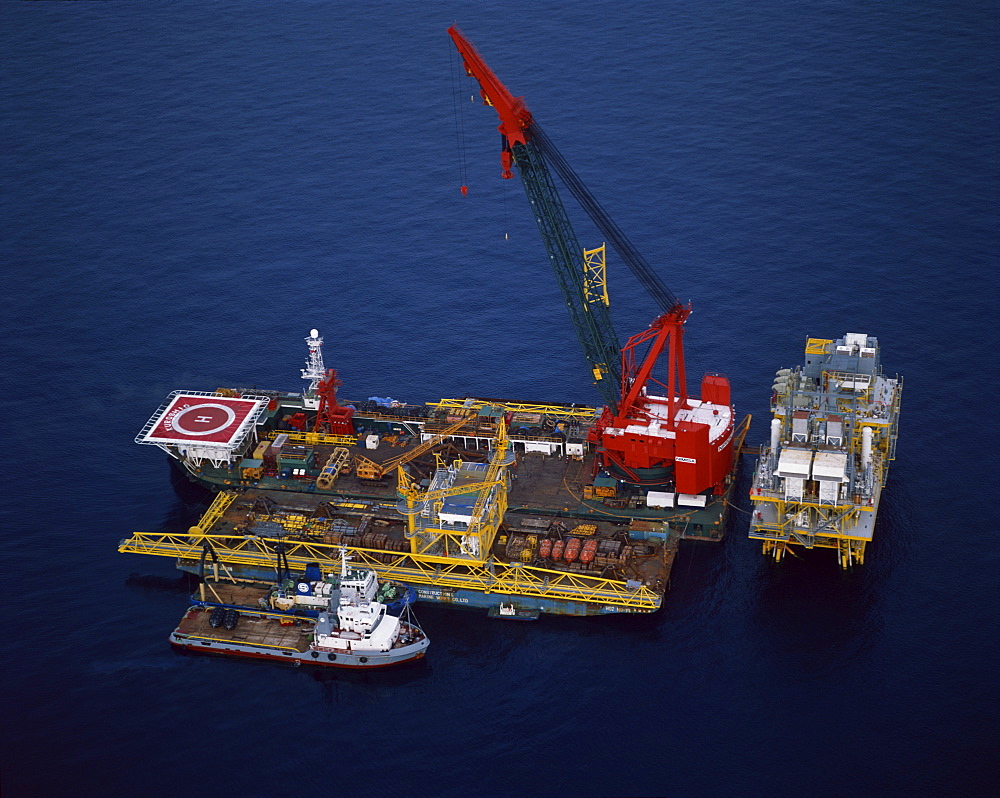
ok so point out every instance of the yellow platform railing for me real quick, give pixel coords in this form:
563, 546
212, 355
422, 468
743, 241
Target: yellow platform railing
580, 411
315, 438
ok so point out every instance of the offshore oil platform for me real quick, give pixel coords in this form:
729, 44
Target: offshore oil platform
519, 508
818, 482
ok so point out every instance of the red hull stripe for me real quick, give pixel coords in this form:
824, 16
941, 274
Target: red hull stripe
204, 649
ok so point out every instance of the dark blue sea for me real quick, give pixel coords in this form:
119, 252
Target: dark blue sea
189, 187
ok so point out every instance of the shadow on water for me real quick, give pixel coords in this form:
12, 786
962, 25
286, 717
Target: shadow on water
812, 612
192, 501
896, 529
809, 609
184, 583
186, 489
391, 677
384, 681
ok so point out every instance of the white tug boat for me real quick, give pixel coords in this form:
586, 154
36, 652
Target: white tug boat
352, 630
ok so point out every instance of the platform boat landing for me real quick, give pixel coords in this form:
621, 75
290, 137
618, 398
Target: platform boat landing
818, 482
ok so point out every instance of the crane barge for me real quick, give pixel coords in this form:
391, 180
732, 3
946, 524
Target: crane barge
515, 507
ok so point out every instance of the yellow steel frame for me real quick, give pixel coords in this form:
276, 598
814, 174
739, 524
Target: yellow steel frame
777, 538
849, 550
841, 518
394, 419
409, 568
335, 465
315, 438
419, 534
557, 411
595, 277
214, 512
381, 469
818, 346
224, 640
486, 515
486, 528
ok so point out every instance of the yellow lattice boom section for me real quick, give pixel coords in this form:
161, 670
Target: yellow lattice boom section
561, 411
214, 511
595, 279
369, 469
408, 568
315, 438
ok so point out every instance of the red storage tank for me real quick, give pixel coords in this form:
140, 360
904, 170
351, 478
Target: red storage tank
557, 549
545, 549
589, 550
572, 549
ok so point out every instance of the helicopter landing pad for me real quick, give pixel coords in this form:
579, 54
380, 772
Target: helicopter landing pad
192, 418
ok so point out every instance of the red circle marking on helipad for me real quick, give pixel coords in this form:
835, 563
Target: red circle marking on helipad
203, 419
208, 420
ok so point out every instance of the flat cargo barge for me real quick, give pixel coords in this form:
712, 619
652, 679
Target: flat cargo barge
619, 565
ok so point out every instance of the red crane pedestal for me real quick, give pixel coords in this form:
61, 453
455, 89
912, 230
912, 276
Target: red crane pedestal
656, 430
331, 417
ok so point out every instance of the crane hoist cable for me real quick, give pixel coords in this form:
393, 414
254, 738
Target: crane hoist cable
591, 321
623, 246
456, 90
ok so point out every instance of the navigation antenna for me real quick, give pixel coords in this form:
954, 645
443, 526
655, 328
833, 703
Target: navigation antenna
314, 370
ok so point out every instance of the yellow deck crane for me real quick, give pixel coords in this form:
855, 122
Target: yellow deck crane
457, 531
369, 469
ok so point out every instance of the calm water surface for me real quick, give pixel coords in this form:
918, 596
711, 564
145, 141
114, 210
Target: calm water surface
189, 187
